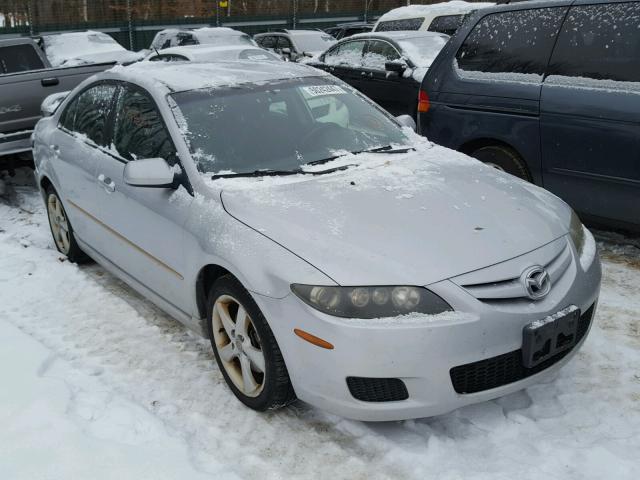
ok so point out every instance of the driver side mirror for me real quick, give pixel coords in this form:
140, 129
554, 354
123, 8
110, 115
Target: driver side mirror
407, 121
396, 67
151, 173
51, 103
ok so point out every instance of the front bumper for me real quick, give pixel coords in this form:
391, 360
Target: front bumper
421, 355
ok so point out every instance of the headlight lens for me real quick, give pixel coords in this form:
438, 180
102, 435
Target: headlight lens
577, 232
371, 302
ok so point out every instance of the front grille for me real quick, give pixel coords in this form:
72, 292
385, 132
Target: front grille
507, 368
377, 389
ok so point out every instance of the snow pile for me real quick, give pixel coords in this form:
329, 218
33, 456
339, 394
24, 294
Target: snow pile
79, 48
454, 7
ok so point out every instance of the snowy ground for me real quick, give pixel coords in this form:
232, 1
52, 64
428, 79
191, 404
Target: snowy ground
98, 383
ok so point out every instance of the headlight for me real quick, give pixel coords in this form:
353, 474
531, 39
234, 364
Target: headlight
577, 232
371, 302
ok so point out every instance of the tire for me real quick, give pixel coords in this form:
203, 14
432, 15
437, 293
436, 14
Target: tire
61, 229
503, 158
237, 348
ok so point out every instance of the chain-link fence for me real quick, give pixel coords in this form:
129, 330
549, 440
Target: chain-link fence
134, 22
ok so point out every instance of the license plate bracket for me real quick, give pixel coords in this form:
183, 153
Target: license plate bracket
550, 336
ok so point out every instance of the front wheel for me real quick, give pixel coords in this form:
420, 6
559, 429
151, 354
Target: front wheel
245, 348
503, 158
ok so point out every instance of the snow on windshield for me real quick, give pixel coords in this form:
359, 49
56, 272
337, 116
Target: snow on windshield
313, 42
67, 46
222, 36
423, 50
443, 8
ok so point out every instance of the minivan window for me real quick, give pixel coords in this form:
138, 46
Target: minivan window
600, 42
397, 25
517, 42
446, 24
139, 131
19, 58
88, 113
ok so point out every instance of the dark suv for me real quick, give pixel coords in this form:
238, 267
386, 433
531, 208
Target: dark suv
550, 92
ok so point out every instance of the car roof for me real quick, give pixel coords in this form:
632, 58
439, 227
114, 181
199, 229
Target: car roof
205, 48
177, 77
208, 30
397, 35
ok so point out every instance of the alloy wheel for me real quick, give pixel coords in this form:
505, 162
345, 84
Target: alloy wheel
238, 345
59, 223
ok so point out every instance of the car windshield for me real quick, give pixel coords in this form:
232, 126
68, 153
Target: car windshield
423, 50
280, 125
311, 42
223, 38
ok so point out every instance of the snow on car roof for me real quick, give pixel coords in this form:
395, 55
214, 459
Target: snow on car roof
445, 8
177, 77
399, 35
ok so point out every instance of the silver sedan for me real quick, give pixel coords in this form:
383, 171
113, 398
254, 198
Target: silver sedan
328, 252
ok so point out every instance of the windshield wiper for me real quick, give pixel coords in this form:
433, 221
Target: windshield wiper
277, 173
387, 149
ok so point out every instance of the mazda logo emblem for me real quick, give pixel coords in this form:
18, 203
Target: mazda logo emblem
536, 282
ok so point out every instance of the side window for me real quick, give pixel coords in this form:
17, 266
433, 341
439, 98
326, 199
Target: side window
19, 58
601, 42
511, 42
267, 42
168, 58
89, 112
186, 39
378, 53
348, 53
283, 42
446, 24
139, 131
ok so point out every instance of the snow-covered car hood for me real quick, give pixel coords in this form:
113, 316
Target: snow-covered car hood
413, 218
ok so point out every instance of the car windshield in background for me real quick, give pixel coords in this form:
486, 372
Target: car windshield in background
224, 39
423, 50
66, 46
280, 126
309, 42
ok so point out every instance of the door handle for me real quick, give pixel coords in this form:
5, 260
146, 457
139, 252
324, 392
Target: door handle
49, 82
107, 183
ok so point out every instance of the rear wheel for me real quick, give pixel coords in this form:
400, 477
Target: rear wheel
503, 158
245, 348
61, 228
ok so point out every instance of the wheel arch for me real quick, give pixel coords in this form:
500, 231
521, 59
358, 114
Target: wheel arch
204, 280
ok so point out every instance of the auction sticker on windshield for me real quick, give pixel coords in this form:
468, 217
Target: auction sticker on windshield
317, 90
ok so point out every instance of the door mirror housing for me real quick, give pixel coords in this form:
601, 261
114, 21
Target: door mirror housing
151, 173
396, 67
407, 121
51, 103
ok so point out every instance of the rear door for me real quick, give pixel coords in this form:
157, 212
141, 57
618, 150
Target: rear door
393, 92
74, 151
144, 235
590, 112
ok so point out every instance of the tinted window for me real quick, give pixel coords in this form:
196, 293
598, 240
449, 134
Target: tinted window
284, 42
267, 42
348, 53
378, 53
405, 24
89, 112
446, 24
511, 42
139, 131
600, 42
19, 58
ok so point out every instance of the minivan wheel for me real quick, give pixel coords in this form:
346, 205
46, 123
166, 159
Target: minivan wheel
504, 159
245, 348
61, 228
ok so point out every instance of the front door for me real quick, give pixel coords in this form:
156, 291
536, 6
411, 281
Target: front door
144, 226
345, 62
590, 125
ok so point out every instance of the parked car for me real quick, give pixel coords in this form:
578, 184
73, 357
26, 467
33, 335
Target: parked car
26, 79
82, 48
388, 67
174, 37
445, 17
294, 45
552, 97
207, 53
344, 30
327, 253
